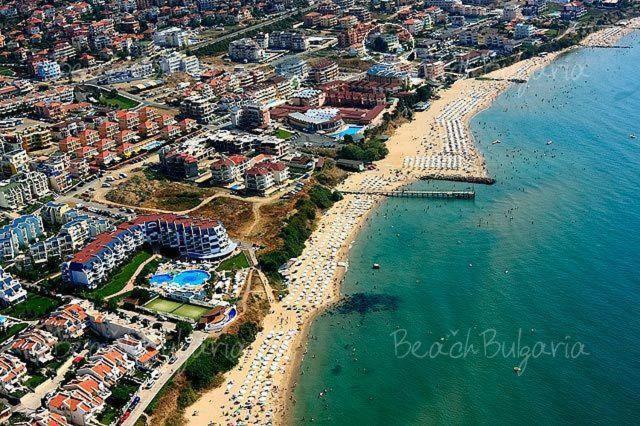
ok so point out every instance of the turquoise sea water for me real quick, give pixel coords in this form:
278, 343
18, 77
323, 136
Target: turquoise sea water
552, 249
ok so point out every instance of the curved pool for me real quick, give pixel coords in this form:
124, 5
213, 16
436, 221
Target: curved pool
190, 278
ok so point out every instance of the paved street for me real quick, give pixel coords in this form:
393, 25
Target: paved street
166, 371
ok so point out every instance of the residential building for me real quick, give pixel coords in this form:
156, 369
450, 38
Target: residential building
309, 98
246, 50
48, 70
14, 161
34, 346
273, 146
31, 138
44, 417
388, 74
511, 12
264, 177
54, 213
323, 71
107, 366
433, 71
251, 116
312, 19
293, 67
171, 62
22, 188
80, 400
198, 108
128, 120
68, 322
171, 37
18, 234
177, 165
11, 291
229, 169
142, 356
289, 40
71, 237
13, 372
573, 10
122, 75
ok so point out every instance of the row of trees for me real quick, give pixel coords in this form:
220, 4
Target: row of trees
298, 229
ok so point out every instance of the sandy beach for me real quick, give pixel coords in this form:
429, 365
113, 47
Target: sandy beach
436, 143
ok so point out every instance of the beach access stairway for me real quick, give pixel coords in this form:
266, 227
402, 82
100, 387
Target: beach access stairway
469, 194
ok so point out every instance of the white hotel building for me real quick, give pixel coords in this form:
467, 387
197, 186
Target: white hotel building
191, 238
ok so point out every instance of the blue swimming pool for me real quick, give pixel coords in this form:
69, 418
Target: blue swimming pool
351, 130
190, 278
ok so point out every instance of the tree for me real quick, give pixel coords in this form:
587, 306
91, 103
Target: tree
247, 332
61, 349
120, 395
183, 330
112, 305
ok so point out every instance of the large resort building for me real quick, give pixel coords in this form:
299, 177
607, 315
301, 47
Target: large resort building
191, 238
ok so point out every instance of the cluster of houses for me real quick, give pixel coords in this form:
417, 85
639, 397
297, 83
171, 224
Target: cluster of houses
78, 400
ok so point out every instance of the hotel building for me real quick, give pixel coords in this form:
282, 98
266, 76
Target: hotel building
191, 238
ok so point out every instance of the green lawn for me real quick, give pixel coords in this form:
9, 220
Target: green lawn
239, 261
283, 134
186, 310
35, 380
118, 101
121, 278
34, 307
13, 330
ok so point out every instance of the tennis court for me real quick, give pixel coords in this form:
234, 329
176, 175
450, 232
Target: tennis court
186, 310
191, 311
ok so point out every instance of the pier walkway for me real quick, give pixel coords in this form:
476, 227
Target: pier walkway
418, 194
605, 46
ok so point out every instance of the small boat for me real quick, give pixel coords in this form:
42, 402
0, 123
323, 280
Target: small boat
497, 141
549, 142
517, 370
376, 266
632, 135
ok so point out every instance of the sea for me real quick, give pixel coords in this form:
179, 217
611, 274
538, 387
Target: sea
521, 306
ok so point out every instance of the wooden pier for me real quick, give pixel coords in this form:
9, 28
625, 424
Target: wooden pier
605, 46
418, 194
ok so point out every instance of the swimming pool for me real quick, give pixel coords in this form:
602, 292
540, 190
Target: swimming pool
351, 130
189, 278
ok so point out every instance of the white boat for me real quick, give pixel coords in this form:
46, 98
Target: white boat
632, 135
376, 266
549, 142
497, 141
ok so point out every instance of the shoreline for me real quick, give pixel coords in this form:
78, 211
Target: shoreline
338, 228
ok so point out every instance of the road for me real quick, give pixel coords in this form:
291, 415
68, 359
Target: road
166, 372
238, 33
